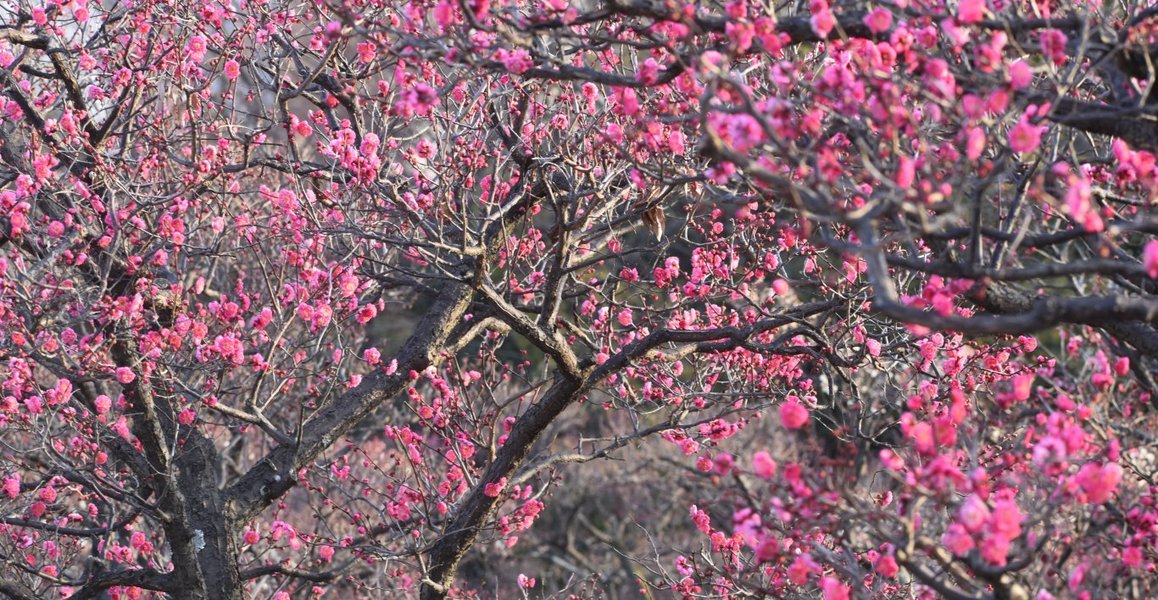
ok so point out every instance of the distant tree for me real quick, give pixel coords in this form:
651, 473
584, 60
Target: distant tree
318, 299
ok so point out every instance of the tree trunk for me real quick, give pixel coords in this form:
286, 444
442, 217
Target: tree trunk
207, 523
463, 530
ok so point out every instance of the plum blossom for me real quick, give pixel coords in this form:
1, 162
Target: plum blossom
1053, 44
1099, 482
802, 568
887, 566
1150, 258
12, 485
494, 488
763, 465
1020, 74
973, 513
879, 20
1025, 137
834, 589
823, 20
517, 61
970, 11
196, 47
125, 375
793, 414
231, 69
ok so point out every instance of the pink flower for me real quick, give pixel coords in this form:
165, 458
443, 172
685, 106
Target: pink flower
793, 414
1074, 581
822, 21
326, 552
494, 489
741, 34
1150, 258
369, 147
801, 569
302, 128
35, 404
1020, 75
102, 404
516, 62
250, 537
366, 313
957, 540
186, 417
1053, 45
974, 143
1024, 137
1006, 519
723, 463
372, 356
196, 48
624, 317
879, 20
906, 172
701, 519
1132, 556
613, 132
1049, 451
480, 8
1099, 482
444, 14
1023, 386
887, 566
763, 465
12, 485
834, 589
973, 513
970, 11
995, 549
321, 318
525, 582
232, 69
923, 440
125, 375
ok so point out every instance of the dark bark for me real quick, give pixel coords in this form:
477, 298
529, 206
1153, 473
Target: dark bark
1140, 333
462, 531
277, 473
184, 466
214, 541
